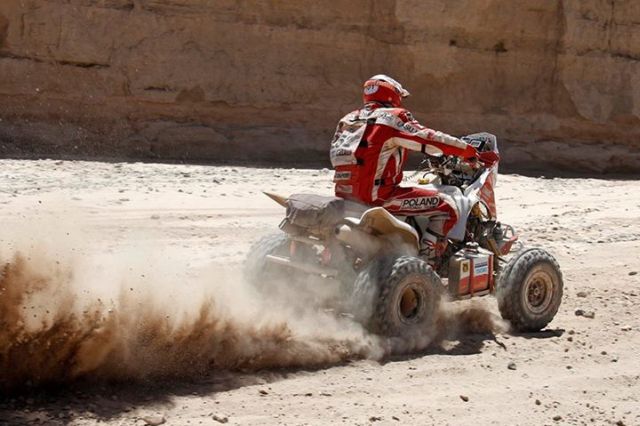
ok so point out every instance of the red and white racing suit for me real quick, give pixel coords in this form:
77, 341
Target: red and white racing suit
368, 152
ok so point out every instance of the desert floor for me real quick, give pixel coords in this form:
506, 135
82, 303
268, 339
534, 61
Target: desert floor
580, 370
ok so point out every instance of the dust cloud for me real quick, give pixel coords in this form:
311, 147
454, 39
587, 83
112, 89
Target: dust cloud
54, 329
138, 314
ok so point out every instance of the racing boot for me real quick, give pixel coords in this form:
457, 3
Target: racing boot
432, 247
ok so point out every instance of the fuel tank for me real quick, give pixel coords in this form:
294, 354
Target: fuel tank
470, 273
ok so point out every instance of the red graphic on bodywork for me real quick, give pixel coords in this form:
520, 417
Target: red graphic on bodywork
487, 194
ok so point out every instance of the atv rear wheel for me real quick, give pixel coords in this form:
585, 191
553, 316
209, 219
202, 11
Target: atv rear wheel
529, 290
257, 269
397, 296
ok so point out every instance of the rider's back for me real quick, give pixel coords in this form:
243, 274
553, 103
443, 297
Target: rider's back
365, 153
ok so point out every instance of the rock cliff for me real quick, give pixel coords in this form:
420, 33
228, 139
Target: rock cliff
265, 80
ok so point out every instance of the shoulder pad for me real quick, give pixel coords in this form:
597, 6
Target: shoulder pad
353, 115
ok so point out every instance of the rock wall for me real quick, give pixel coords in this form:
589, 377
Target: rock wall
266, 80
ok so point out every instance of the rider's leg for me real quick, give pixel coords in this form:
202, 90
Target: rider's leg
434, 240
440, 208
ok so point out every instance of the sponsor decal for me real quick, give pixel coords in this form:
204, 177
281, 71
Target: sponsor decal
370, 90
465, 268
345, 189
476, 143
481, 268
340, 152
411, 129
388, 119
341, 176
346, 143
420, 203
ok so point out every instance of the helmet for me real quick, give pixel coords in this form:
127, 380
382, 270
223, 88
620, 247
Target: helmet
382, 88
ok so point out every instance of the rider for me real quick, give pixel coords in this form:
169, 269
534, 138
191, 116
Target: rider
369, 150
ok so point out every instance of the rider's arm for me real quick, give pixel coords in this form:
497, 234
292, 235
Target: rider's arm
416, 137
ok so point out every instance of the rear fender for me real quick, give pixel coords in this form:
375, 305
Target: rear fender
380, 223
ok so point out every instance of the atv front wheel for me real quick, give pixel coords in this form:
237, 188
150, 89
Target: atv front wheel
529, 290
397, 297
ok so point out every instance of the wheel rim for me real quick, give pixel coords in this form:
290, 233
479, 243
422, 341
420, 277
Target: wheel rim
410, 303
538, 291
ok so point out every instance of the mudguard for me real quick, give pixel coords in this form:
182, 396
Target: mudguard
380, 223
375, 221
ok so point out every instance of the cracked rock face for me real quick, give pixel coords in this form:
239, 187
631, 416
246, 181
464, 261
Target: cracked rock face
196, 80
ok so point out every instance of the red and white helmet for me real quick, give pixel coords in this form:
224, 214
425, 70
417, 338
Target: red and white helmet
384, 89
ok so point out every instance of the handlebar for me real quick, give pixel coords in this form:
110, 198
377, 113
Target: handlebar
452, 170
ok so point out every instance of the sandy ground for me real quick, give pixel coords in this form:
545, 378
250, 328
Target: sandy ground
580, 370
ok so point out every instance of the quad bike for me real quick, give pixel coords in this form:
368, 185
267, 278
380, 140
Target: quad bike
379, 262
